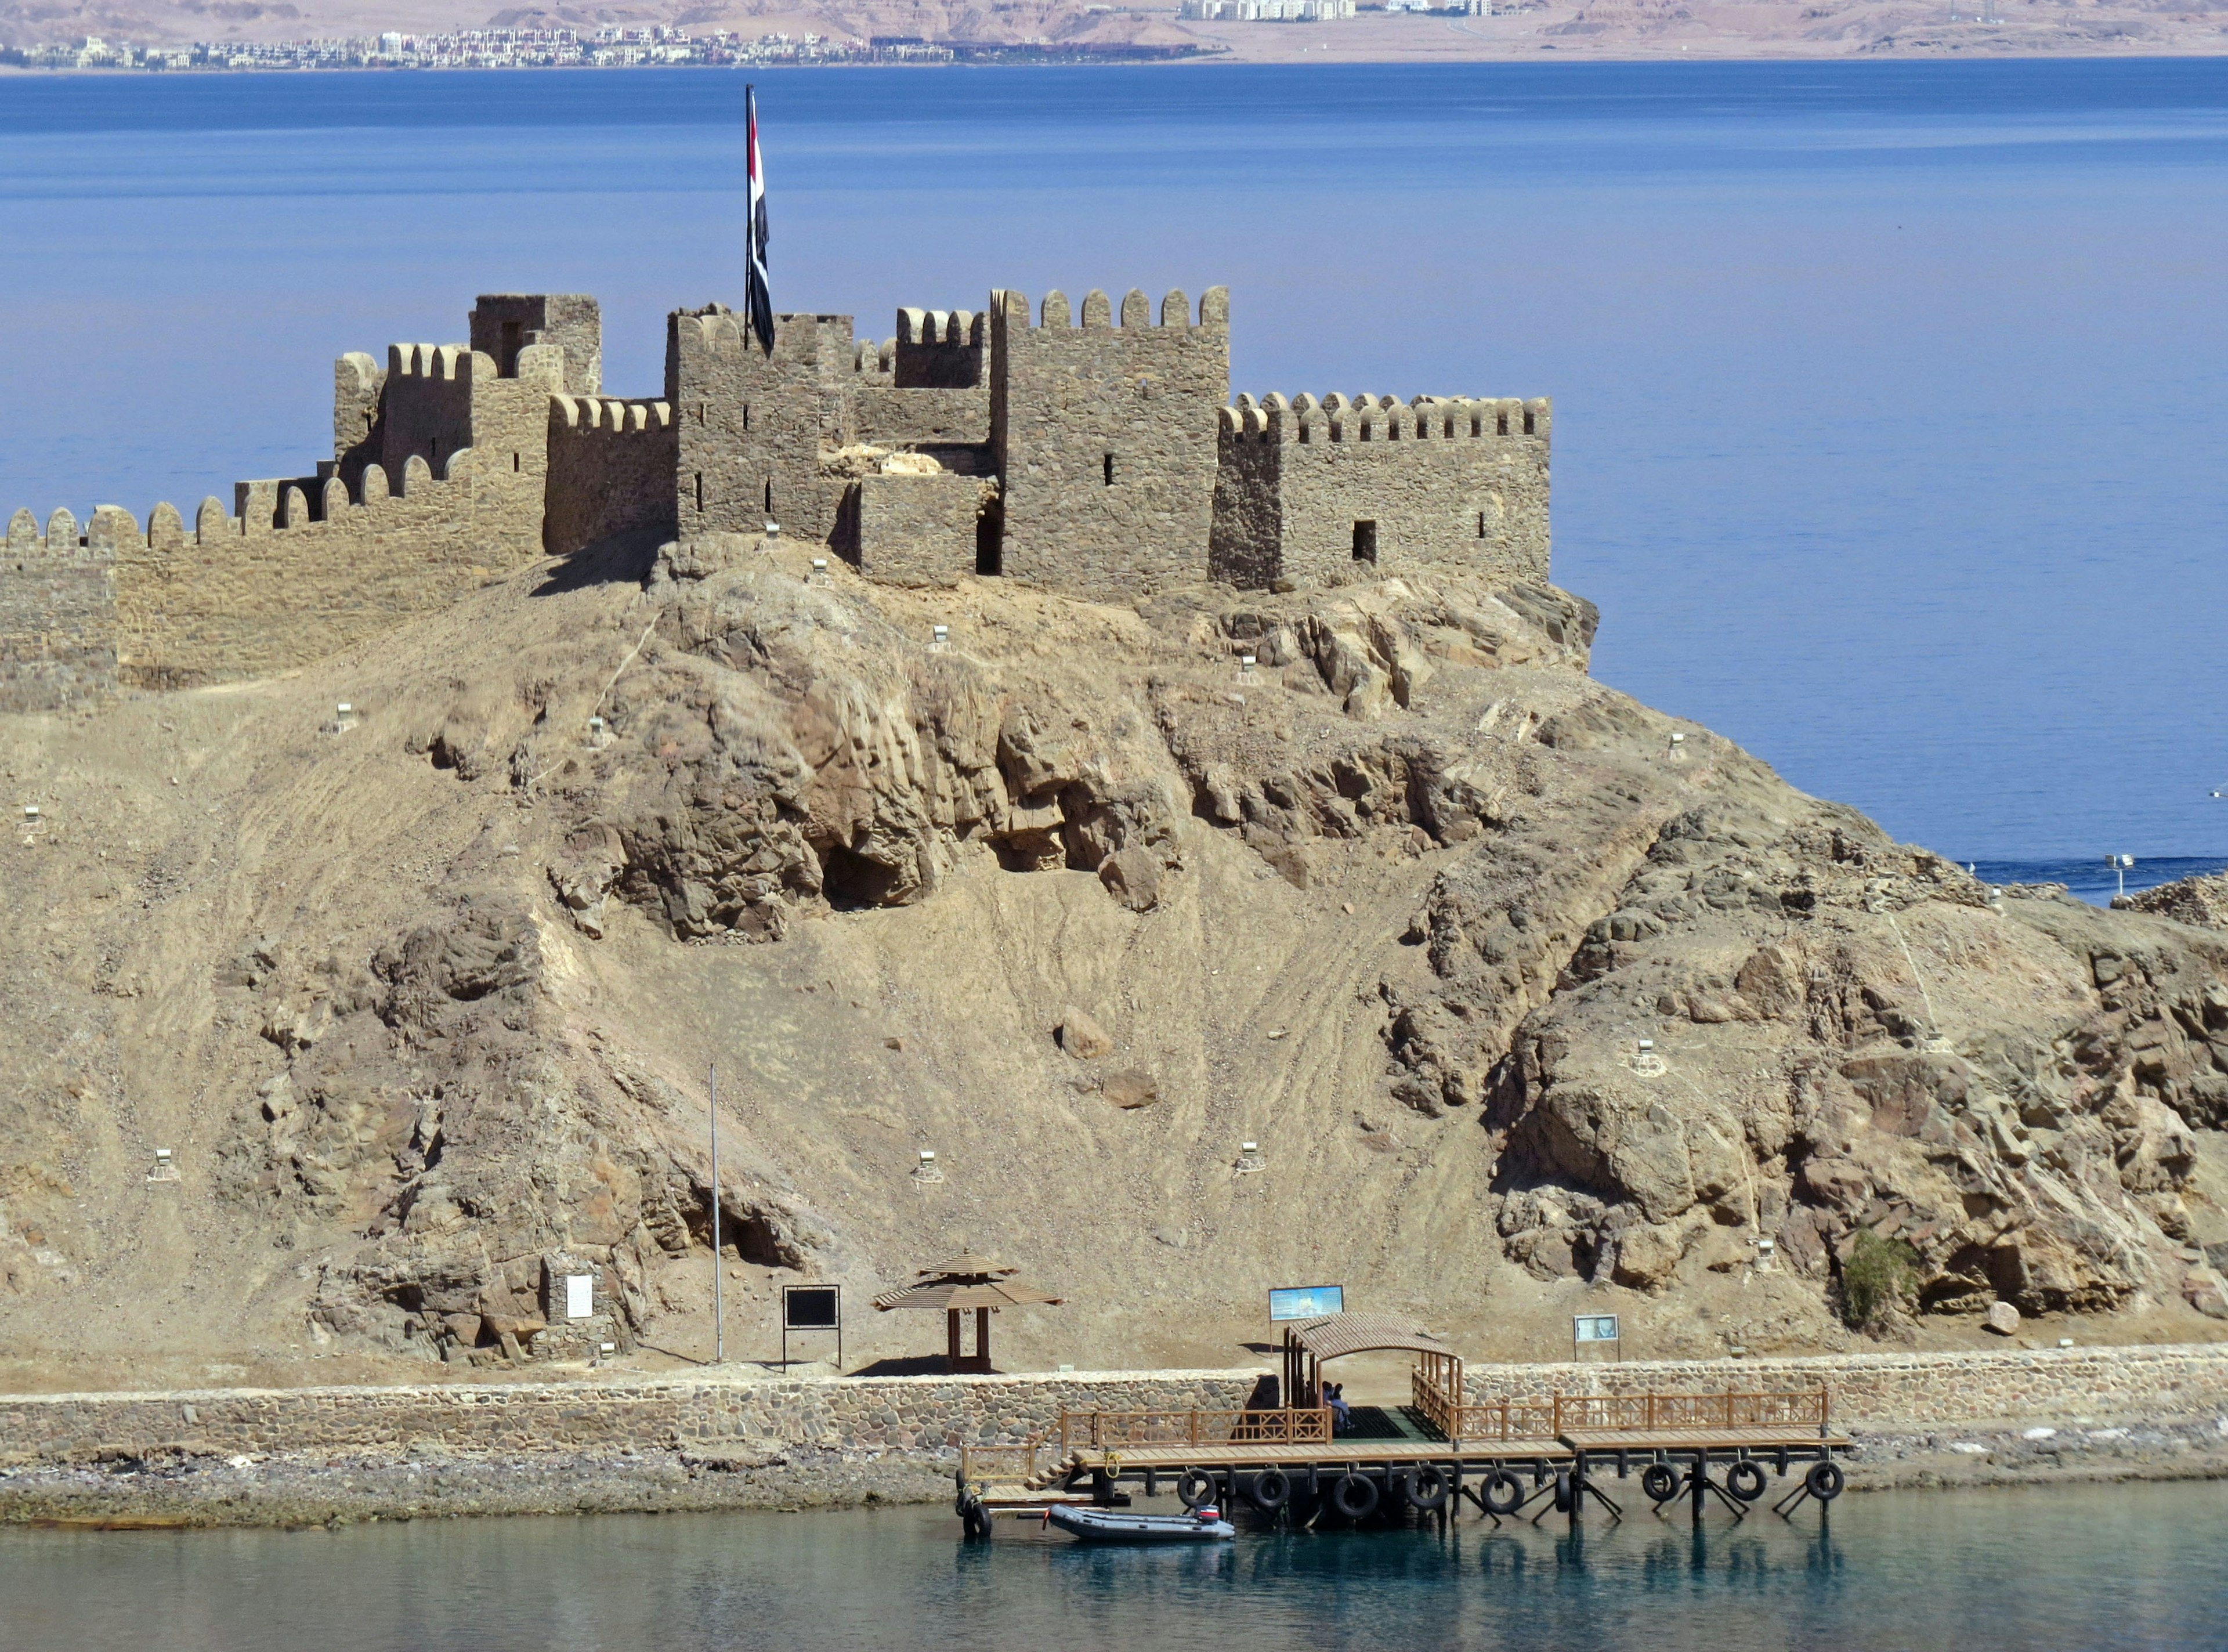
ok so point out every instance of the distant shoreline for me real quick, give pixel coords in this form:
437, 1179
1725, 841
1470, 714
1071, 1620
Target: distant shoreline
1563, 55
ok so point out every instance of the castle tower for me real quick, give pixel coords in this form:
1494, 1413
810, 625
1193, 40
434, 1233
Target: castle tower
751, 423
1105, 439
504, 323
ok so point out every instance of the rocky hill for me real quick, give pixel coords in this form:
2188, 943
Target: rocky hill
1533, 1000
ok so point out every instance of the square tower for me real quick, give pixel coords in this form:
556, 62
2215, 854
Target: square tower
504, 324
752, 423
1105, 439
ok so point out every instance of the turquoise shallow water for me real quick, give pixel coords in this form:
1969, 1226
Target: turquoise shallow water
1888, 395
2031, 1571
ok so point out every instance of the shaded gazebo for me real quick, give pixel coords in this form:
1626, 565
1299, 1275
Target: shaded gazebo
1309, 1346
966, 1281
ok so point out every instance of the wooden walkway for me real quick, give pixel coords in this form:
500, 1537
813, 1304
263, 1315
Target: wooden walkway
1101, 1449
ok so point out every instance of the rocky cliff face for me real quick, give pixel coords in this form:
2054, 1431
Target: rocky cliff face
1529, 997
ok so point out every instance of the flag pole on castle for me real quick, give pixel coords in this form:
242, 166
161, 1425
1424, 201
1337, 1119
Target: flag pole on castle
757, 298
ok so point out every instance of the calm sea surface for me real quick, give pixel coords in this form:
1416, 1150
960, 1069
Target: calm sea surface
1890, 397
2065, 1570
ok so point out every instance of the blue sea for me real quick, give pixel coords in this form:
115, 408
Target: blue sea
1890, 397
2070, 1569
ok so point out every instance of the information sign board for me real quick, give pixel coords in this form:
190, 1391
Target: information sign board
812, 1307
1306, 1302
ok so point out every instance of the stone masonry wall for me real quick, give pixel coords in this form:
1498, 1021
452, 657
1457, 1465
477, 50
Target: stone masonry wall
1898, 1390
1105, 439
57, 618
931, 1417
438, 401
275, 586
610, 472
505, 324
1440, 481
916, 530
918, 1416
751, 424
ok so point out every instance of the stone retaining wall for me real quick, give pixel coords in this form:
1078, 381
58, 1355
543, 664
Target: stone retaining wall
1913, 1389
932, 1417
871, 1416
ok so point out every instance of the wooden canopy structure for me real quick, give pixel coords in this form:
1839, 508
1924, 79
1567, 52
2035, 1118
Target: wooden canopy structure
967, 1281
1309, 1344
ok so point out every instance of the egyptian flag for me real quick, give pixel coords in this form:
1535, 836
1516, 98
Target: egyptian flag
757, 300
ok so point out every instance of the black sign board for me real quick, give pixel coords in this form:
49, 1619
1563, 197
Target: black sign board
812, 1307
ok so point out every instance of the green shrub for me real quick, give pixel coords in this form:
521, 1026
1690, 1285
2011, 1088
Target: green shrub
1877, 1275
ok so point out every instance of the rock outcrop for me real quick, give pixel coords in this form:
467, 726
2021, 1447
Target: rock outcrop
1503, 974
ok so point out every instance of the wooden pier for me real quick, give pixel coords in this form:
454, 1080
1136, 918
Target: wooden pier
1556, 1452
1296, 1462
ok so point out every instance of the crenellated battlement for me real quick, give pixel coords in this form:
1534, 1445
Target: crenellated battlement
1337, 418
959, 329
1096, 310
609, 413
58, 541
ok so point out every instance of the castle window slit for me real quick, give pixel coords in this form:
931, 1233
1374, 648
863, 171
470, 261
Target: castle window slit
513, 462
1528, 431
1110, 469
769, 498
699, 492
1481, 524
1365, 541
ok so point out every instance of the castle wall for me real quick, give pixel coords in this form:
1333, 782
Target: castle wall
913, 530
751, 424
1245, 543
610, 472
939, 350
1105, 439
1311, 489
442, 399
927, 390
271, 587
57, 618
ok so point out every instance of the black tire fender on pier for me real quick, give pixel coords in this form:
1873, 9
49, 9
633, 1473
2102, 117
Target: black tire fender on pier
1195, 1489
1564, 1492
1271, 1490
1503, 1493
1426, 1488
1746, 1480
975, 1522
1659, 1482
1825, 1479
1356, 1495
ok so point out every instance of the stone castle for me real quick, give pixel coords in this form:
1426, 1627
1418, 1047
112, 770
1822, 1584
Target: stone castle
1103, 460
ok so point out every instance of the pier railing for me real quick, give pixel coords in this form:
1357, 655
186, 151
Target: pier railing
1109, 1431
1645, 1413
1001, 1461
1497, 1419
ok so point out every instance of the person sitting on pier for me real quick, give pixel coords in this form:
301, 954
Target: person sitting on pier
1342, 1415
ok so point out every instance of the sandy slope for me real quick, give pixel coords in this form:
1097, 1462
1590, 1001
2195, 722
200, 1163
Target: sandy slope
420, 1003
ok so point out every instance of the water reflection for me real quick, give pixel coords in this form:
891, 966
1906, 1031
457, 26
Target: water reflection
2098, 1566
